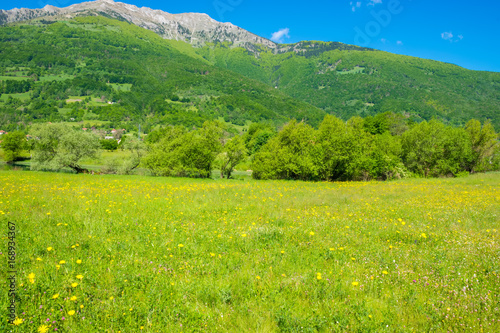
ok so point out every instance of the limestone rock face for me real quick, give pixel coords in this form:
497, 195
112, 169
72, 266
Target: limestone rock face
194, 28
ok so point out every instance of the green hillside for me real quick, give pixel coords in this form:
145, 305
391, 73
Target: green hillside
111, 73
349, 82
95, 69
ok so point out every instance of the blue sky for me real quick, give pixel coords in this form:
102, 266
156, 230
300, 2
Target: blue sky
461, 32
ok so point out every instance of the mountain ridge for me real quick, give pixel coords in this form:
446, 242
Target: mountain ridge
197, 29
194, 28
337, 78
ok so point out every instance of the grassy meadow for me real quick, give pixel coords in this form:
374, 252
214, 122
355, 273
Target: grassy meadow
143, 254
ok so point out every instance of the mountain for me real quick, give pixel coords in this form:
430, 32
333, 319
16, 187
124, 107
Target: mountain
351, 83
113, 73
309, 78
193, 28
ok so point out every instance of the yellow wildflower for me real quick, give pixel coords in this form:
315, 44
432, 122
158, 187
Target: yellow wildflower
17, 321
43, 329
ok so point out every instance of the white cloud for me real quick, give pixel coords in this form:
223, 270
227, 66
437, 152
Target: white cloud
451, 38
383, 40
280, 35
399, 42
447, 35
355, 5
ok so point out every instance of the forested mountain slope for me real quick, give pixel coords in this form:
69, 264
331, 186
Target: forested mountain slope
75, 64
352, 82
95, 68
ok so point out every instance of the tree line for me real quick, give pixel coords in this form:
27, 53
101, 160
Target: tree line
383, 147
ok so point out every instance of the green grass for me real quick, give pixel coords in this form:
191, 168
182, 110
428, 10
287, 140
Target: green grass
22, 96
60, 77
355, 70
121, 87
16, 78
172, 255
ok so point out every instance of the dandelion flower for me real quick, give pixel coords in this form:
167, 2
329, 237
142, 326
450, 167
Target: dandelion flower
257, 277
180, 245
58, 266
73, 298
385, 272
318, 276
79, 276
43, 329
74, 284
355, 283
423, 235
81, 306
55, 296
311, 233
62, 262
38, 259
49, 248
17, 321
78, 261
71, 312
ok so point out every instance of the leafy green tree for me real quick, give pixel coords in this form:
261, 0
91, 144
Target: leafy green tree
109, 144
336, 148
258, 135
57, 146
288, 155
137, 149
186, 154
234, 152
13, 145
485, 145
434, 149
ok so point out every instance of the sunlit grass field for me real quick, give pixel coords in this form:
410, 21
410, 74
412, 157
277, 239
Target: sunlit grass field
142, 254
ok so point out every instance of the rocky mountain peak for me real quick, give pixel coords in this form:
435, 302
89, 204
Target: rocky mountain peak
195, 28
